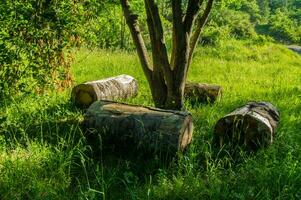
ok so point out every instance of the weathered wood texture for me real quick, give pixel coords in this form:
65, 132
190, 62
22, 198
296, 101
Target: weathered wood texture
251, 126
202, 93
119, 87
148, 128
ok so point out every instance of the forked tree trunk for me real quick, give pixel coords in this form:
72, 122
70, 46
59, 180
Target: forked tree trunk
167, 77
251, 126
147, 128
113, 88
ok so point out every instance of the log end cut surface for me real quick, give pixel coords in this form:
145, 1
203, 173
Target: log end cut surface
83, 95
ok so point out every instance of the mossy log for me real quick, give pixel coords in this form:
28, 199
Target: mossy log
113, 88
146, 128
251, 126
202, 93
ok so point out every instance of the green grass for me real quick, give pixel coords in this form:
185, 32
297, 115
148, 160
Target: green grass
44, 154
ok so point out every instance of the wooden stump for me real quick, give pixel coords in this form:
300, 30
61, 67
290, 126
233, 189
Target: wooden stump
251, 126
119, 87
202, 93
147, 128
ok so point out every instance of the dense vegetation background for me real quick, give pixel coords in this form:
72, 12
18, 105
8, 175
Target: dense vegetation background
36, 36
43, 152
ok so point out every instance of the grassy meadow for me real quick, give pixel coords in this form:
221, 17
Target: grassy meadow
44, 153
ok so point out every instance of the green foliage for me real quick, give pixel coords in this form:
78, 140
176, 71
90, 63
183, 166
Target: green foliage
225, 24
284, 27
279, 19
214, 35
104, 26
34, 37
107, 29
250, 7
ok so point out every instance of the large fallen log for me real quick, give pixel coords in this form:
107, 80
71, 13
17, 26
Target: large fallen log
202, 93
251, 126
146, 128
119, 87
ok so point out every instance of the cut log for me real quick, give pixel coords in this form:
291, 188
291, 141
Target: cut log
202, 93
119, 87
147, 128
251, 126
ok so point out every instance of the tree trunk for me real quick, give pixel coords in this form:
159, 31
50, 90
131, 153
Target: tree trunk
119, 87
158, 90
175, 96
251, 126
165, 76
147, 128
202, 93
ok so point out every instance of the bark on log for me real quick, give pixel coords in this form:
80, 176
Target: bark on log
202, 93
113, 88
251, 126
147, 128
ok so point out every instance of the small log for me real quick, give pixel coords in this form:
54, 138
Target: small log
251, 126
202, 93
146, 128
119, 87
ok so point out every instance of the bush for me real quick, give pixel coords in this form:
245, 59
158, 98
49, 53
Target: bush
34, 38
284, 28
104, 26
214, 35
225, 24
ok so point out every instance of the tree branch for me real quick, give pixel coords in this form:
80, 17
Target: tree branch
178, 32
160, 55
180, 52
192, 12
199, 27
132, 21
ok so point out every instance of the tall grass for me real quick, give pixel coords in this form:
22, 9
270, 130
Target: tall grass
44, 153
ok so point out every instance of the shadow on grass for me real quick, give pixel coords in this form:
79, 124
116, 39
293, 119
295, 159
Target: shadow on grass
94, 165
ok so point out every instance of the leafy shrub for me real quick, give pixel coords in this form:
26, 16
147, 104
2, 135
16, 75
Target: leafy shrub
278, 19
214, 35
251, 7
284, 28
225, 24
104, 26
34, 36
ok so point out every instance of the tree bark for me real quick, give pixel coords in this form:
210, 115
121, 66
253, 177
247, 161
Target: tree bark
251, 126
147, 128
202, 93
199, 28
166, 77
132, 22
119, 87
